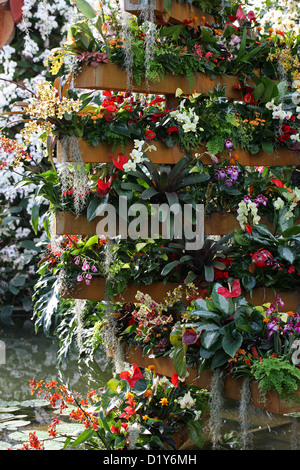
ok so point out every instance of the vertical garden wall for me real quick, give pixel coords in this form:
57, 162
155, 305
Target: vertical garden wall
156, 106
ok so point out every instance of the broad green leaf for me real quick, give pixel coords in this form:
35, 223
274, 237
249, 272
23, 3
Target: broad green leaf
231, 342
85, 9
196, 433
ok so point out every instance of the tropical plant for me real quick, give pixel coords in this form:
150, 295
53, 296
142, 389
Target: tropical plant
135, 410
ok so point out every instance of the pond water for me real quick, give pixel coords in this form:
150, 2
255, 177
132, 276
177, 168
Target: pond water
27, 356
33, 356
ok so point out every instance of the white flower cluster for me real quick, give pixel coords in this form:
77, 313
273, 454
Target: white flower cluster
283, 16
245, 211
188, 118
292, 200
137, 155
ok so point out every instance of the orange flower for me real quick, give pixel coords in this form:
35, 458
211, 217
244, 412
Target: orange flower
148, 393
163, 401
145, 417
151, 367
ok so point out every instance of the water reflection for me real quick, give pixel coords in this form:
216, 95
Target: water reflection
29, 355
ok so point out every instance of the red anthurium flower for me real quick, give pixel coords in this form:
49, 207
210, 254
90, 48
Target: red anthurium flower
120, 161
249, 98
150, 134
115, 429
240, 15
248, 228
132, 376
234, 292
277, 183
103, 186
107, 93
175, 380
262, 259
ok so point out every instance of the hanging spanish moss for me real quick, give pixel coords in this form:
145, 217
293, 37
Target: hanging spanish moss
245, 411
114, 346
78, 309
216, 408
77, 179
148, 18
127, 41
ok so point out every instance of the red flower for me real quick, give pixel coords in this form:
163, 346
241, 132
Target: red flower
248, 229
251, 16
103, 186
175, 380
234, 292
120, 161
172, 129
115, 429
132, 376
150, 134
107, 93
249, 98
277, 183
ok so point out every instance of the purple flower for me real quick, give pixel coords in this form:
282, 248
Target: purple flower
228, 143
79, 278
261, 200
272, 326
88, 276
94, 269
228, 182
247, 199
220, 174
87, 281
279, 301
85, 267
77, 260
233, 171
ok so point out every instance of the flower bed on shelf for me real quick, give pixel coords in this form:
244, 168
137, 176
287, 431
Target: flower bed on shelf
179, 12
113, 77
222, 334
102, 153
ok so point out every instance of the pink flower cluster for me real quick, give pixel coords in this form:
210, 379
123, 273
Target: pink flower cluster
86, 270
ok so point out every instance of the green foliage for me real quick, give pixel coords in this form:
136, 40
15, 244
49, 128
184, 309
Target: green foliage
277, 373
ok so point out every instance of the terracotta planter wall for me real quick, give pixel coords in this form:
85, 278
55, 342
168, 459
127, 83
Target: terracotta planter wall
171, 155
216, 224
178, 13
114, 77
158, 292
232, 386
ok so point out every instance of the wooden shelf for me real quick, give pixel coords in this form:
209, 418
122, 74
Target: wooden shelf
113, 77
232, 385
171, 155
178, 13
158, 292
216, 224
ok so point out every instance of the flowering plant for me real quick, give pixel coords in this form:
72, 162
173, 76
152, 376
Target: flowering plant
282, 269
135, 410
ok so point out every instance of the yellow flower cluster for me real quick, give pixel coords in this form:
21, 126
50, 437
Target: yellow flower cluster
288, 62
47, 103
56, 60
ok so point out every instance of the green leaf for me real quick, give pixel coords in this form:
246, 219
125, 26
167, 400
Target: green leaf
287, 253
84, 436
85, 9
209, 338
231, 342
91, 241
35, 216
195, 433
267, 147
179, 360
96, 207
141, 386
